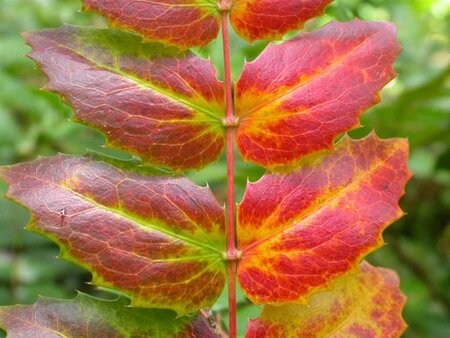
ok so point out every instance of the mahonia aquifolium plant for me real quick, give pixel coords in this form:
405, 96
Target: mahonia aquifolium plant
296, 241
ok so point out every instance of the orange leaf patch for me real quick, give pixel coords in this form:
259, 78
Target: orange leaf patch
297, 97
298, 232
366, 304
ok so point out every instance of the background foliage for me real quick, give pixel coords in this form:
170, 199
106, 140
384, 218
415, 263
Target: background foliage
416, 105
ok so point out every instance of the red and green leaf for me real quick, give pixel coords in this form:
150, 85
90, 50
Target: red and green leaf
366, 304
89, 317
181, 23
154, 102
298, 232
270, 20
296, 98
157, 240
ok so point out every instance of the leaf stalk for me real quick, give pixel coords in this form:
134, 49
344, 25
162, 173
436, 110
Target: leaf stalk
231, 121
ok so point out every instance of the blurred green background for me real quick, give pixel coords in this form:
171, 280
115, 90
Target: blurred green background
415, 105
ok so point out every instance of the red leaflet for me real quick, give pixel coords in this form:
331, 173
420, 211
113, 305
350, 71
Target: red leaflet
367, 304
296, 98
158, 240
181, 23
89, 317
161, 105
270, 20
298, 232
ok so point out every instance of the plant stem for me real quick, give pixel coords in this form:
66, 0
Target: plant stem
230, 124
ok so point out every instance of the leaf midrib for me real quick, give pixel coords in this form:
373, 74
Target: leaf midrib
204, 3
145, 225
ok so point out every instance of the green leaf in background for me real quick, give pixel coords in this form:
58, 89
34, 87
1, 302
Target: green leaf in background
89, 317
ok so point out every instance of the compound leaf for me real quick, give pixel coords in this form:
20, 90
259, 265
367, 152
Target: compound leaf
89, 317
296, 98
191, 23
300, 231
366, 304
180, 23
157, 240
270, 20
157, 103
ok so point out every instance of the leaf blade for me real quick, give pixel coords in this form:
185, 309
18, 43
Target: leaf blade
268, 20
368, 303
318, 85
89, 317
157, 103
184, 24
158, 240
304, 229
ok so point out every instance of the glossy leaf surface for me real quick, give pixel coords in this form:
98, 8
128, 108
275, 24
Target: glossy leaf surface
181, 23
88, 317
366, 304
297, 97
154, 102
270, 20
158, 240
300, 231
